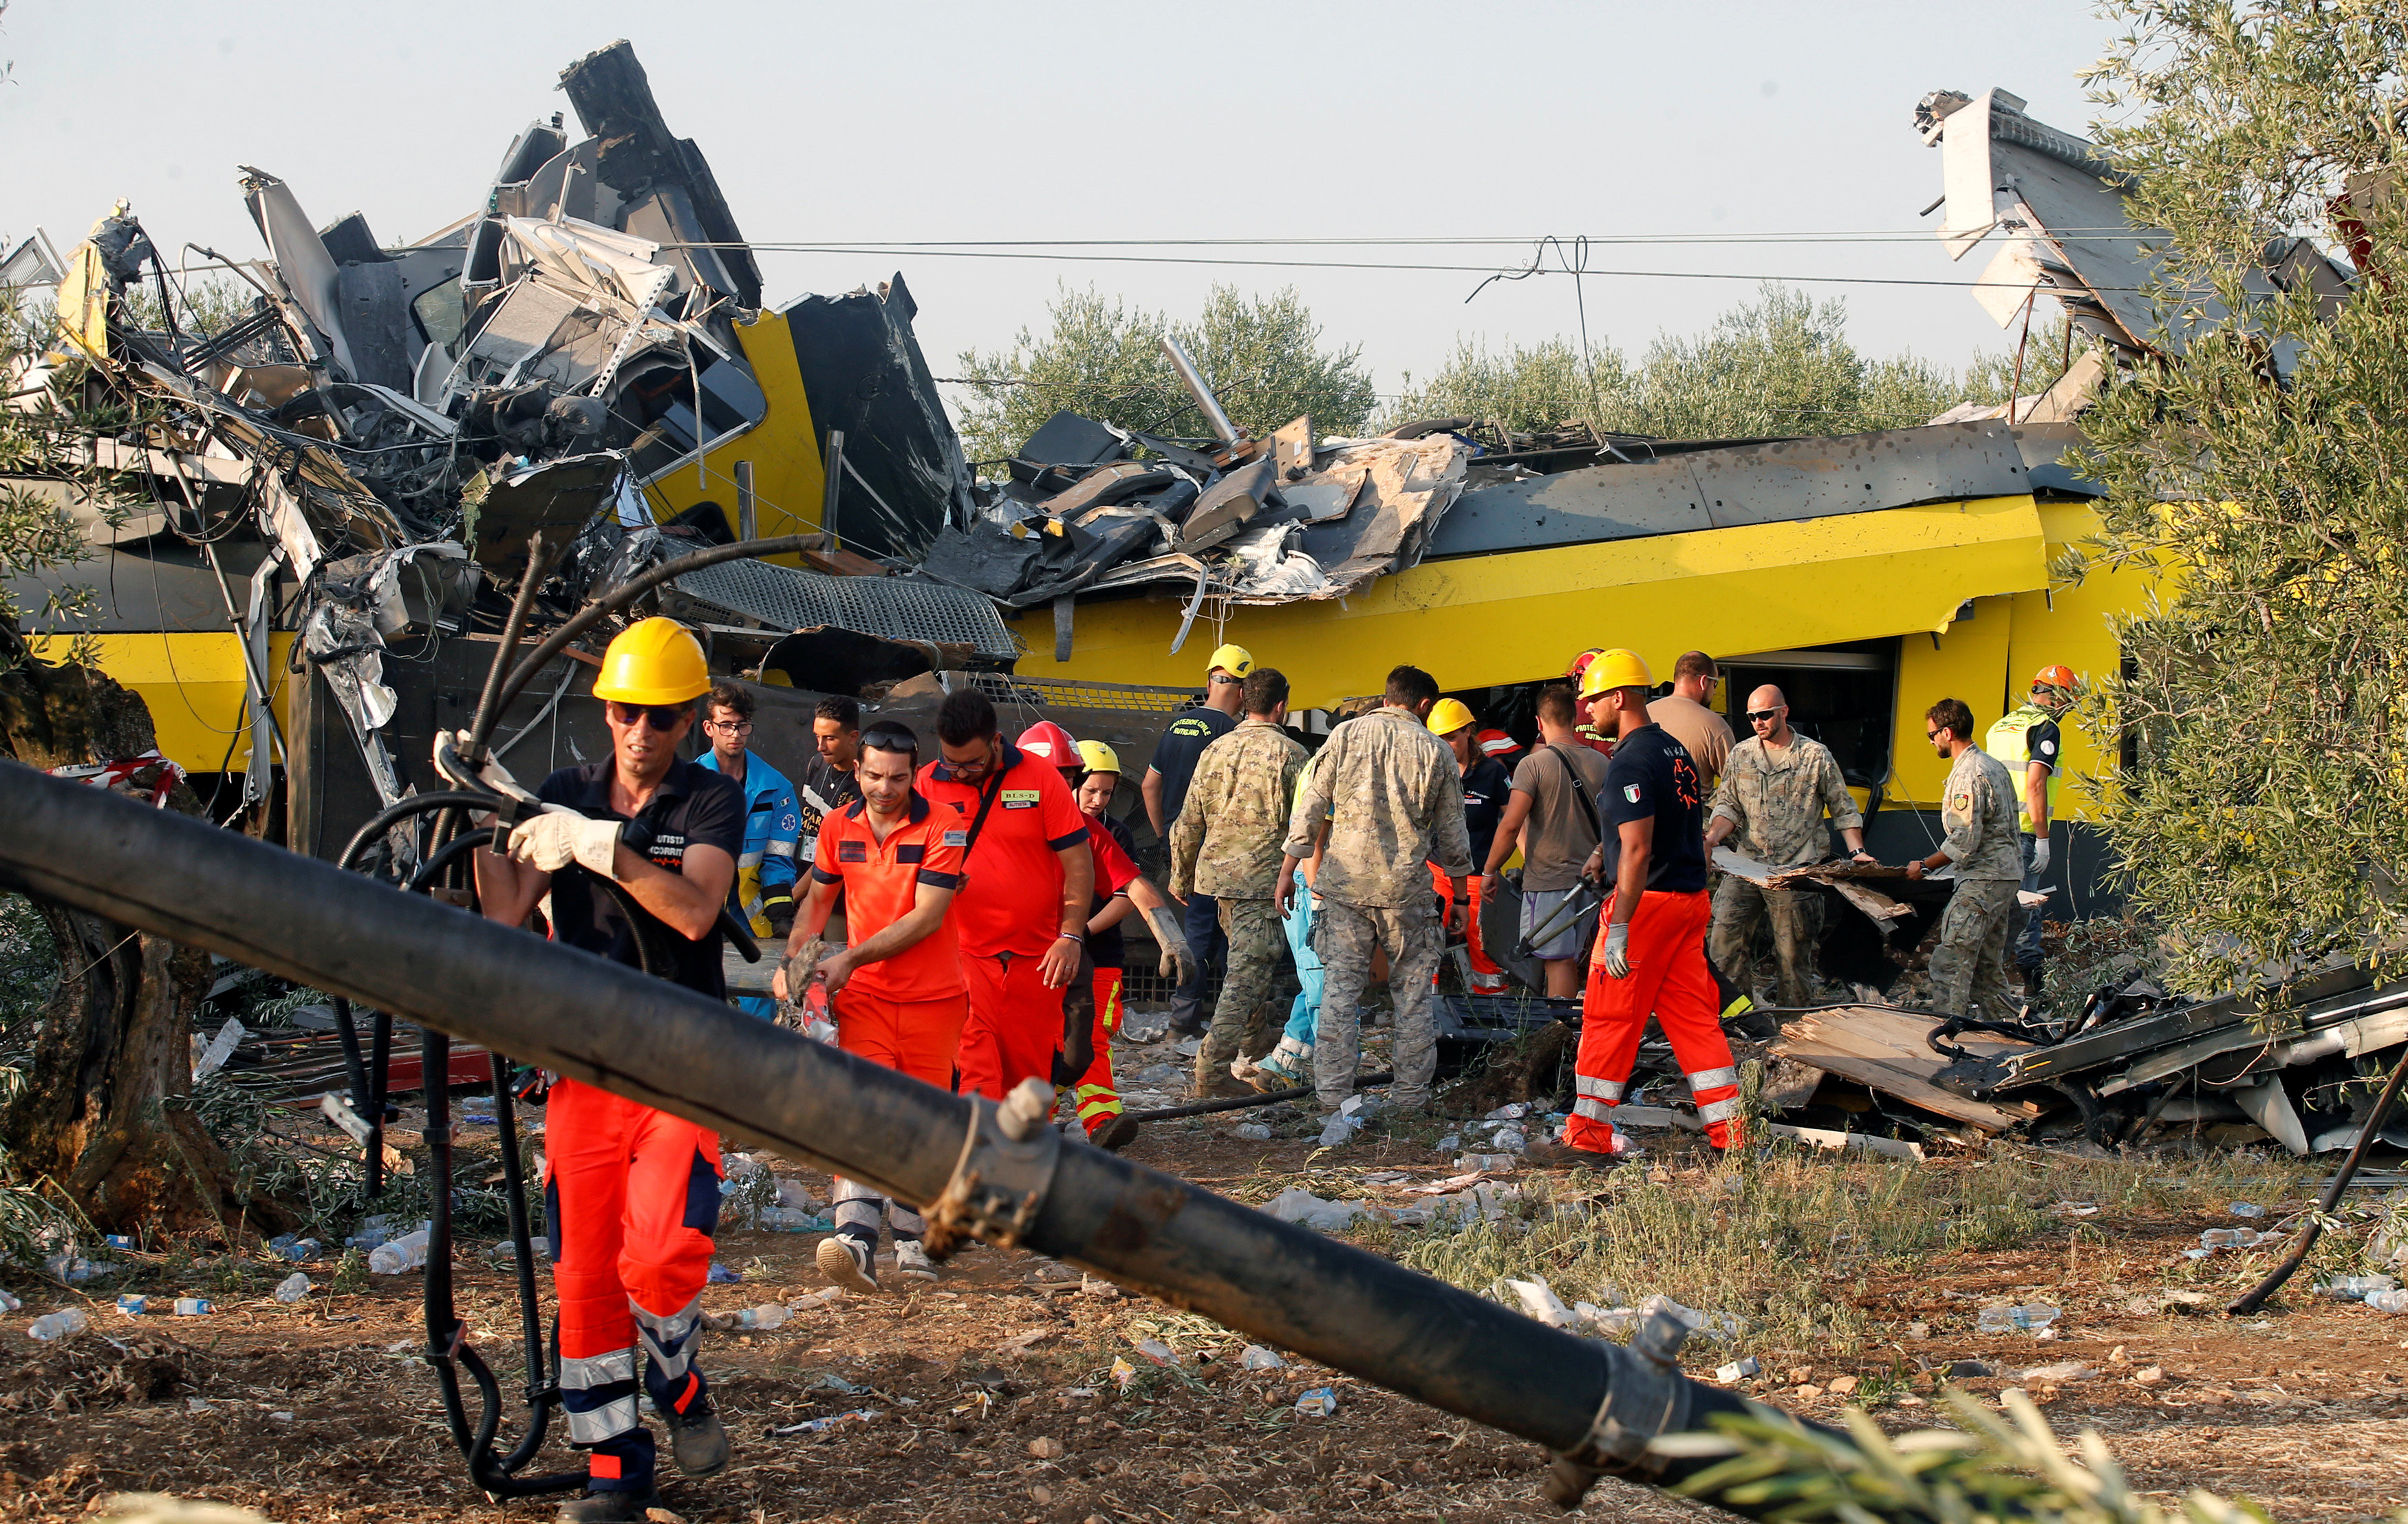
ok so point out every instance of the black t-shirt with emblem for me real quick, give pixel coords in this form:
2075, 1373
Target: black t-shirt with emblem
1486, 787
1653, 777
1182, 741
693, 805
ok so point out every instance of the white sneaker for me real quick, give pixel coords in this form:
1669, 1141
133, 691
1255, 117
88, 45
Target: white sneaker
912, 1261
848, 1262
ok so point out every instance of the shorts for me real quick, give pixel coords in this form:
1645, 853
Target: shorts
1539, 906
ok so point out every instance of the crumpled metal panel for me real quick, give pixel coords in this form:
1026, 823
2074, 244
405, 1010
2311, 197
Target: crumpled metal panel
783, 597
1784, 480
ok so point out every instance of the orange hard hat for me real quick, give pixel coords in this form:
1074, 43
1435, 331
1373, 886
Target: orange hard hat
2056, 677
1050, 743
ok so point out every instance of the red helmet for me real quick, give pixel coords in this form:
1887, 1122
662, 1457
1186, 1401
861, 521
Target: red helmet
1497, 743
1050, 743
1580, 663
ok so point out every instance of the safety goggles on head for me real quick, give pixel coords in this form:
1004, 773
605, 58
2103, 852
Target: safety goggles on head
1224, 678
661, 717
891, 738
1766, 717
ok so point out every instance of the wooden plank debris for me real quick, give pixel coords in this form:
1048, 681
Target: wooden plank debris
1884, 1048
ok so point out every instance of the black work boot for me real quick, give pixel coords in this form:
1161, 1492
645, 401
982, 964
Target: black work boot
2032, 981
697, 1439
607, 1508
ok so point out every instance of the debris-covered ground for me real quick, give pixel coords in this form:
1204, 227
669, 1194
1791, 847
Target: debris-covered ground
1016, 1390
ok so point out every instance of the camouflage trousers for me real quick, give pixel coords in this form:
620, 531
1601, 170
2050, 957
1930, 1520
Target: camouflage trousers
1344, 936
1969, 967
1257, 937
1739, 905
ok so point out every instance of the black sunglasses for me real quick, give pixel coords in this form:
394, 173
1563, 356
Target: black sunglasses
887, 738
1756, 717
661, 717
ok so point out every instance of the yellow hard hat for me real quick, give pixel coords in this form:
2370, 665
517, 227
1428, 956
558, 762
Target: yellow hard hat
655, 662
1449, 715
1095, 757
1615, 668
1236, 660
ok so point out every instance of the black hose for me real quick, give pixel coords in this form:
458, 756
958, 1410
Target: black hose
680, 1051
417, 804
634, 587
1240, 1103
480, 729
2314, 1227
449, 851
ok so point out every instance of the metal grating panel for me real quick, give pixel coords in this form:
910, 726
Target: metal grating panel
1049, 693
785, 598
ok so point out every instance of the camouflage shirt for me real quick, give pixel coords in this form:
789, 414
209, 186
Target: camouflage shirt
1777, 802
1393, 794
1225, 842
1978, 808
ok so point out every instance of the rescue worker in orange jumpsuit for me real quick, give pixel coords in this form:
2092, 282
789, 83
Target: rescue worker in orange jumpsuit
897, 993
1093, 771
631, 1194
1022, 913
1651, 955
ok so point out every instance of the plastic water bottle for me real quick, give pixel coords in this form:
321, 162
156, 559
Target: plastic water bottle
8, 1303
787, 1220
770, 1315
2028, 1318
302, 1248
1338, 1132
194, 1306
2394, 1301
292, 1287
2357, 1287
57, 1325
2229, 1238
395, 1255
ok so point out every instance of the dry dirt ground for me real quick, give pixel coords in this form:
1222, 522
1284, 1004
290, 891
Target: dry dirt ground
993, 1397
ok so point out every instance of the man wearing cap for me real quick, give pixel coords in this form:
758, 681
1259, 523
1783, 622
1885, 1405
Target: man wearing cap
2028, 744
1779, 786
1553, 815
1164, 791
1021, 916
1650, 956
1685, 713
1402, 809
631, 1193
1486, 788
897, 993
1225, 846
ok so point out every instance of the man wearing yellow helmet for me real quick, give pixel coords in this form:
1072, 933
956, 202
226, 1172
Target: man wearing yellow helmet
632, 1193
1164, 792
1486, 787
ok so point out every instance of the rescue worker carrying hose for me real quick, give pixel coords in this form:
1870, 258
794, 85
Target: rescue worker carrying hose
631, 1193
1650, 955
1021, 914
897, 993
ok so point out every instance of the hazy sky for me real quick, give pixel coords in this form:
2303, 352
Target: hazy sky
960, 121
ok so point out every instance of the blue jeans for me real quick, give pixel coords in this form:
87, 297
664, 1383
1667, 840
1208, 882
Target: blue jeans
1304, 1016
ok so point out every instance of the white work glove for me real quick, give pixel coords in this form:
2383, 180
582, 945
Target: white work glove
450, 746
2039, 855
556, 838
1617, 950
1178, 958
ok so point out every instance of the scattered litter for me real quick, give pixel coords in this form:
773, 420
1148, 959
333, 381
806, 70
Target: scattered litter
1339, 1130
1253, 1131
2062, 1371
194, 1306
2149, 1375
1512, 1112
199, 1404
294, 1246
1052, 1272
1186, 1048
2235, 1238
66, 1267
1123, 1371
134, 1306
8, 1303
1156, 1351
2246, 1209
2356, 1288
1298, 1206
770, 1315
294, 1288
720, 1276
401, 1346
395, 1255
825, 1296
57, 1325
2390, 1302
795, 1194
820, 1426
1713, 1324
794, 1219
1256, 1357
828, 1381
1605, 1322
1019, 1343
1539, 1301
1738, 1371
1824, 1138
2030, 1317
1320, 1402
1489, 1163
122, 1243
1449, 1143
280, 1417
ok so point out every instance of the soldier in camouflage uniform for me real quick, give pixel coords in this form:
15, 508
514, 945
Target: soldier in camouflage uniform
1776, 787
1225, 843
1392, 795
1968, 967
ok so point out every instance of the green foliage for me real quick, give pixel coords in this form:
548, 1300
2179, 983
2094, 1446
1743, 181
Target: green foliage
1780, 364
1103, 359
2263, 821
1773, 1466
39, 528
